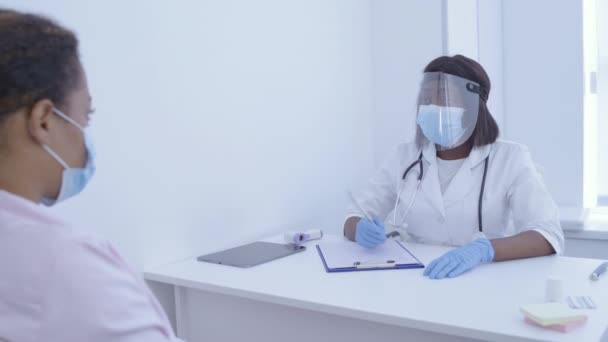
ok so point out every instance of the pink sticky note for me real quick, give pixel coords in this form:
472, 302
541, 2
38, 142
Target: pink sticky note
565, 327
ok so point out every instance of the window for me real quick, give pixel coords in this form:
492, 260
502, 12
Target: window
595, 39
601, 80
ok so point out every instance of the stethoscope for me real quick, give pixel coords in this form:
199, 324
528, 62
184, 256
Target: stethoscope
420, 164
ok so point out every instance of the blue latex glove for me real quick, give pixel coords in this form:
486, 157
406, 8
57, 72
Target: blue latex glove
460, 260
370, 234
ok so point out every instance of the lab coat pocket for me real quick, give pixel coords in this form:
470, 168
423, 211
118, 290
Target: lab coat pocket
425, 223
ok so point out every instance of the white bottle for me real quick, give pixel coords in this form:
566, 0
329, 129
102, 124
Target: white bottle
554, 292
297, 238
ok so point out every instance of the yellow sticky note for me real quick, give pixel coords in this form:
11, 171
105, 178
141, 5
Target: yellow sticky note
551, 313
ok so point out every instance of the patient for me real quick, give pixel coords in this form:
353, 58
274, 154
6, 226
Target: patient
56, 284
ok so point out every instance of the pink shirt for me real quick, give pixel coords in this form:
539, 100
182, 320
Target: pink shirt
57, 284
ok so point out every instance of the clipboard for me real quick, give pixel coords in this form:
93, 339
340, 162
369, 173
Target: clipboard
347, 256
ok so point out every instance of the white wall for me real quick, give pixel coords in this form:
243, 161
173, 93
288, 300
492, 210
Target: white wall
223, 121
406, 36
461, 27
587, 248
220, 121
490, 49
473, 28
543, 89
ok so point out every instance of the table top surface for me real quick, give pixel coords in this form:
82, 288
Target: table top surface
483, 303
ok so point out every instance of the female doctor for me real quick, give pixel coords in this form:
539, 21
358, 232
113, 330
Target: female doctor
456, 184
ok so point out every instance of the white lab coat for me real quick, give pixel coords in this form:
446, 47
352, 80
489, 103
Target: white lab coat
515, 197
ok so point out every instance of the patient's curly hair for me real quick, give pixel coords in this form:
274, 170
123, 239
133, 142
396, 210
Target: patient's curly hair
38, 60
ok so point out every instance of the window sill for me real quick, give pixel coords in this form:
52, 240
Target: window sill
594, 228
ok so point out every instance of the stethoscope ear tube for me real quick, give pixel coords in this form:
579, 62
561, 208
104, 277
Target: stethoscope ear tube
419, 180
409, 168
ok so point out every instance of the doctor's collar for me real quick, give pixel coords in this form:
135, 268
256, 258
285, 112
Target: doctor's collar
478, 154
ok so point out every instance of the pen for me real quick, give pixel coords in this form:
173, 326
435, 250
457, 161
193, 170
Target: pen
367, 216
601, 269
352, 198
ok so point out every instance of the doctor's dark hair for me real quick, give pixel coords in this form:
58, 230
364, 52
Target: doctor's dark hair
486, 129
38, 60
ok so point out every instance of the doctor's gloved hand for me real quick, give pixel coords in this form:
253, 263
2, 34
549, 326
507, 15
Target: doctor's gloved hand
460, 260
370, 234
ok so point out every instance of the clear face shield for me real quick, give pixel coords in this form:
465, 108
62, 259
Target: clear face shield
448, 107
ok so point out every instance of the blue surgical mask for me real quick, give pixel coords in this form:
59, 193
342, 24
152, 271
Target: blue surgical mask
441, 125
73, 180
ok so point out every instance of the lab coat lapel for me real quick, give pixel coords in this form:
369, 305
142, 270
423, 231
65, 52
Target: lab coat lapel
430, 182
466, 179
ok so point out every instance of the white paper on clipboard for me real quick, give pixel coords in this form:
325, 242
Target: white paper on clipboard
343, 254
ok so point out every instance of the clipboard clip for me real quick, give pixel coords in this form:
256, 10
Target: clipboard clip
387, 264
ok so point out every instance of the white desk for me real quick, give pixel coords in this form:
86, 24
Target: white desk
294, 299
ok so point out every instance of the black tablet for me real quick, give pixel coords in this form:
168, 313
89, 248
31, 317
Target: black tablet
252, 254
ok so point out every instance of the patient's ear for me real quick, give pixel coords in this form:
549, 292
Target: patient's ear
40, 120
